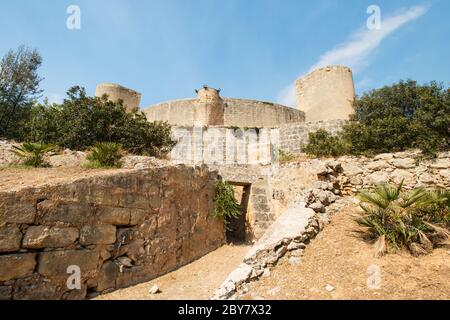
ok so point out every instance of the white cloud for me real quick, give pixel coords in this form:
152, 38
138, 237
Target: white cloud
355, 52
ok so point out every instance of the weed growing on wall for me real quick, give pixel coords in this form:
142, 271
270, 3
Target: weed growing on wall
225, 204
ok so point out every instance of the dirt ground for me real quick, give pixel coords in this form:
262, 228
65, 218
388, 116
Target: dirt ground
17, 178
340, 259
195, 281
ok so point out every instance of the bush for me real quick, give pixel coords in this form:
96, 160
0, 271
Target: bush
225, 204
323, 144
396, 219
81, 121
285, 156
105, 155
404, 115
33, 153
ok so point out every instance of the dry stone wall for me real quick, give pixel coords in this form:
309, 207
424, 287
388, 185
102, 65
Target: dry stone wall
359, 173
120, 229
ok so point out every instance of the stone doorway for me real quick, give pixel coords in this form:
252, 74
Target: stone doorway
238, 228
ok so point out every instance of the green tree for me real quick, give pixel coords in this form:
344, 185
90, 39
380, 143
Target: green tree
404, 115
81, 121
19, 89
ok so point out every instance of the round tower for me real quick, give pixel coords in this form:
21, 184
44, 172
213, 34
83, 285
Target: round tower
326, 93
131, 99
209, 107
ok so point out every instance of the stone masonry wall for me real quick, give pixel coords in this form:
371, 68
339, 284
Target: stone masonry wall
237, 112
362, 172
223, 146
292, 136
120, 229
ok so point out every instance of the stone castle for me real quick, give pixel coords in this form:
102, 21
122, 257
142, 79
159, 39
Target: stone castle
214, 130
323, 95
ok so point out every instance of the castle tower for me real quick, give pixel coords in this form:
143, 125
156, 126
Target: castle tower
326, 93
209, 107
131, 99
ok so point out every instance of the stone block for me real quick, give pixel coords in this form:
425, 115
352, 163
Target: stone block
54, 212
37, 288
107, 276
114, 216
39, 237
10, 238
405, 163
16, 266
98, 234
17, 210
55, 263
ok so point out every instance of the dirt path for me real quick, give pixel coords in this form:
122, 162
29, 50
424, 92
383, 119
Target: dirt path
337, 257
195, 281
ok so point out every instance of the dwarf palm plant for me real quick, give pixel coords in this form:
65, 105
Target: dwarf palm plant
395, 219
33, 153
105, 155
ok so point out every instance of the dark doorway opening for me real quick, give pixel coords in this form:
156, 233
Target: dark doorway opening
237, 228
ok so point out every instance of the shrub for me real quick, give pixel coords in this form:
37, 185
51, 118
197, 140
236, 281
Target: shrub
323, 144
81, 121
436, 208
285, 156
404, 115
225, 204
396, 219
105, 155
33, 153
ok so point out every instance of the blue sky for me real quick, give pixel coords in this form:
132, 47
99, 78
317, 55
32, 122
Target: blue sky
248, 48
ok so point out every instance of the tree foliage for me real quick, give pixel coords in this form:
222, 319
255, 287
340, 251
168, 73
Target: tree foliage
404, 115
81, 121
19, 89
394, 118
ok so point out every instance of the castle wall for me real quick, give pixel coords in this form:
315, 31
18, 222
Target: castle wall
131, 99
237, 113
220, 145
326, 94
251, 113
293, 136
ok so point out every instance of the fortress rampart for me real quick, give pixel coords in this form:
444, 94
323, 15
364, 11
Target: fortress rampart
236, 113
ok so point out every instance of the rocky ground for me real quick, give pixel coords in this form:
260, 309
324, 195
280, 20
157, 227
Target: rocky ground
338, 264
